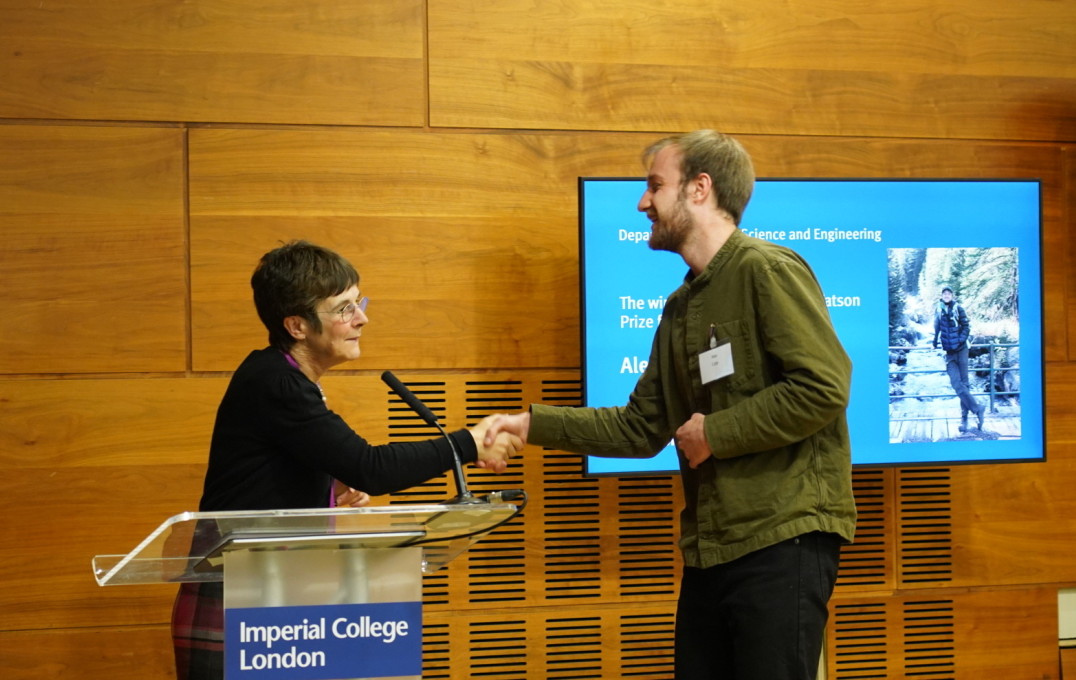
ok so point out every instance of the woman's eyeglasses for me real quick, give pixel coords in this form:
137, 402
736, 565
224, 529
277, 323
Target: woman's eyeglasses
347, 313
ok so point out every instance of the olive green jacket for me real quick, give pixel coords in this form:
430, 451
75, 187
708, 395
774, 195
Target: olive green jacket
781, 462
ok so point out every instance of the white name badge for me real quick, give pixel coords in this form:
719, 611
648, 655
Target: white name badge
716, 363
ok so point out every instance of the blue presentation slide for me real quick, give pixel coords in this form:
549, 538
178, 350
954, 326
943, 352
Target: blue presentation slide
882, 250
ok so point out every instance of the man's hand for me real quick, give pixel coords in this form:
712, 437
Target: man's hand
691, 440
518, 425
495, 447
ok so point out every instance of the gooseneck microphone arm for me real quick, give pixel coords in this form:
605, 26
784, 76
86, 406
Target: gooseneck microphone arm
424, 412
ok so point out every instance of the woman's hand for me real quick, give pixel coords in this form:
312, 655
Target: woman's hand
346, 497
494, 451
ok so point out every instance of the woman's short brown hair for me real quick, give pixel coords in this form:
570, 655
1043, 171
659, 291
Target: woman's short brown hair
291, 280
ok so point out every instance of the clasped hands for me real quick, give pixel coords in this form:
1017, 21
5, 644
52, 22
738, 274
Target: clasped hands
495, 448
690, 437
499, 436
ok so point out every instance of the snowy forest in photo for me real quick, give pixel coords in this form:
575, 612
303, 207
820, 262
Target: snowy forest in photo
985, 282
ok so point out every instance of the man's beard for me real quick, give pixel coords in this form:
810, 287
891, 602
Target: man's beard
670, 233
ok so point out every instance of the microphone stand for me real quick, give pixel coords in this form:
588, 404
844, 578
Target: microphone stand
463, 496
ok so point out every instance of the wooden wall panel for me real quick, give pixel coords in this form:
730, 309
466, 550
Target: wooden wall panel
467, 243
94, 256
440, 225
1068, 218
48, 547
869, 562
107, 422
937, 531
1024, 532
112, 653
963, 70
90, 467
1068, 662
931, 527
956, 635
251, 61
592, 644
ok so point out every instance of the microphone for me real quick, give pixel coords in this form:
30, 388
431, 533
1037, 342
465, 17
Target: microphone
464, 496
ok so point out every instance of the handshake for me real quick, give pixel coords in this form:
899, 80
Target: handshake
499, 436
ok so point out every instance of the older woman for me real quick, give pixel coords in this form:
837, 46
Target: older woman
276, 444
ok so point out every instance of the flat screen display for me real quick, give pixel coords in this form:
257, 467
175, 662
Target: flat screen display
883, 251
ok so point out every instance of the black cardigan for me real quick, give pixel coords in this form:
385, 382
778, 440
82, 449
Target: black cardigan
277, 445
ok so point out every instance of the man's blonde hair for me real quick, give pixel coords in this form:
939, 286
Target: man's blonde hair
722, 158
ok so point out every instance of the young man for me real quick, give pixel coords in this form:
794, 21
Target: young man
747, 373
951, 329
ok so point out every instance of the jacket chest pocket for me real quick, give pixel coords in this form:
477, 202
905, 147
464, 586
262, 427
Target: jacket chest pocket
746, 374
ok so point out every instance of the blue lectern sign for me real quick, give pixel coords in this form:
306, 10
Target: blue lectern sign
323, 642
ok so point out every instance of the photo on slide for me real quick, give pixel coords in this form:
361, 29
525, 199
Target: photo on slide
954, 344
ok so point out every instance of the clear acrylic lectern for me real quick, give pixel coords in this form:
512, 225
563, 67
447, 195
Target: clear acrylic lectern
305, 559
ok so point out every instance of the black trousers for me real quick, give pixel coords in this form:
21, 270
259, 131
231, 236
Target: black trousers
760, 617
956, 365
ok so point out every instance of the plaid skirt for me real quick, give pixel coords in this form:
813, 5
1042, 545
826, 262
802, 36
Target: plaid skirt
198, 631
